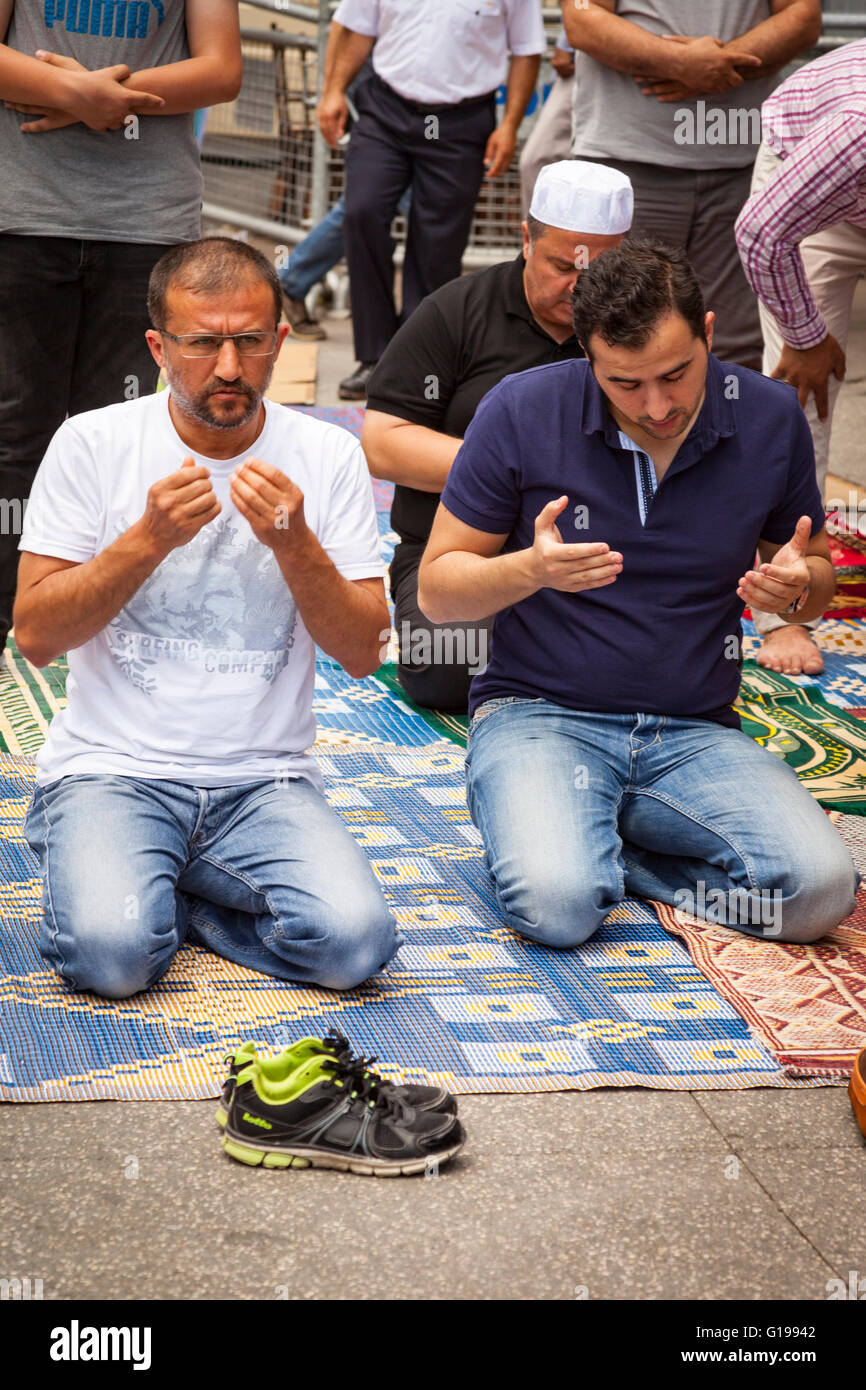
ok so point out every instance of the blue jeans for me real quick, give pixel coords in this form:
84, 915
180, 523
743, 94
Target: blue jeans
576, 810
322, 249
265, 874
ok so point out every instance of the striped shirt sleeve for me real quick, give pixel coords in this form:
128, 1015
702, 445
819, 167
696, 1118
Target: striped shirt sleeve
821, 182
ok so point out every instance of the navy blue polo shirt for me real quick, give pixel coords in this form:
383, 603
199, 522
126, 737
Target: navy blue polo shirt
665, 637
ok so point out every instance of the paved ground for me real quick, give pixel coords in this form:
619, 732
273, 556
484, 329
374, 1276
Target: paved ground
607, 1195
752, 1195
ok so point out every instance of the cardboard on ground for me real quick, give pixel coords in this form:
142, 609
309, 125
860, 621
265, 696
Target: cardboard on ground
294, 378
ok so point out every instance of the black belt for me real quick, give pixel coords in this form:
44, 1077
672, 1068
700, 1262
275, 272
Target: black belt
431, 108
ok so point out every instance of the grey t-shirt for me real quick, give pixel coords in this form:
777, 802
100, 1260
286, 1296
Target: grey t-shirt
102, 185
614, 120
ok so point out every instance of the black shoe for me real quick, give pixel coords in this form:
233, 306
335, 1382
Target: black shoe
320, 1118
419, 1097
354, 388
277, 1070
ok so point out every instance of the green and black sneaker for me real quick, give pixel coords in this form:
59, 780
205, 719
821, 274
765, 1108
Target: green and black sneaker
326, 1115
278, 1069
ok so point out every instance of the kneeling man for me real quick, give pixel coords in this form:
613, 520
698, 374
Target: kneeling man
608, 512
188, 549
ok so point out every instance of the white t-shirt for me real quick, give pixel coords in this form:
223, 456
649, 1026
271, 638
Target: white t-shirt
206, 675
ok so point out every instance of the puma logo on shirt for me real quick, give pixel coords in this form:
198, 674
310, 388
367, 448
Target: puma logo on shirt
109, 18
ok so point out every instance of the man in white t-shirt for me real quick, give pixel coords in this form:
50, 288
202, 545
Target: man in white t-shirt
188, 550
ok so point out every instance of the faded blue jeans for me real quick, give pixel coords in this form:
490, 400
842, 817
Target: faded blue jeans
576, 810
264, 873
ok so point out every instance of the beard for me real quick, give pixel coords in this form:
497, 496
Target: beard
198, 405
686, 416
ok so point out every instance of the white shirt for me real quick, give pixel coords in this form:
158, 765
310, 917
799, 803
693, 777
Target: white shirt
445, 50
206, 675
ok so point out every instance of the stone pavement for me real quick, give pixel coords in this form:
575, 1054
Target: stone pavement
756, 1195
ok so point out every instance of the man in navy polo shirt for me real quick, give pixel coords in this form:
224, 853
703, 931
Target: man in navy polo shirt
608, 512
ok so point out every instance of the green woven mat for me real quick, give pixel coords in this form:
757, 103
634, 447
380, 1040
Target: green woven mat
822, 742
29, 699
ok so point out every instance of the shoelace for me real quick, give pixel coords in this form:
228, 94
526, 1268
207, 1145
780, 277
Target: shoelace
337, 1045
366, 1084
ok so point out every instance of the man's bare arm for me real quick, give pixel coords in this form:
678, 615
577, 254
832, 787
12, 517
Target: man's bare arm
793, 26
703, 61
213, 71
822, 576
24, 78
618, 43
97, 98
464, 578
345, 55
522, 77
345, 617
402, 452
60, 605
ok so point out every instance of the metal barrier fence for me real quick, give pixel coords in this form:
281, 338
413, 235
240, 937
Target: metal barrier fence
267, 168
262, 153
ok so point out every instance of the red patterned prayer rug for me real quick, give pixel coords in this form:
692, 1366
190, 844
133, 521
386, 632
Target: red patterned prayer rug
807, 1004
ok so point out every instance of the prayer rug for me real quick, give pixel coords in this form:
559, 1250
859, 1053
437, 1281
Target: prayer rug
822, 741
806, 1003
466, 1003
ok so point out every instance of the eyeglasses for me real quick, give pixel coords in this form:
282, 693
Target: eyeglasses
210, 344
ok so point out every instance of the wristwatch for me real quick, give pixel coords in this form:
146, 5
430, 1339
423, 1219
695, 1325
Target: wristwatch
798, 603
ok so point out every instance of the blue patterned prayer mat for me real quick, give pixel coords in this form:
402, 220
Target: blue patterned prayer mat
466, 1003
348, 417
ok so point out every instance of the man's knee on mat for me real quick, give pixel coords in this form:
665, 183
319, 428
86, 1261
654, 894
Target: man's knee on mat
109, 957
345, 946
801, 904
112, 974
826, 897
560, 913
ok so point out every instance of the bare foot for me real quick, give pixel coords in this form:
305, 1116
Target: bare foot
790, 649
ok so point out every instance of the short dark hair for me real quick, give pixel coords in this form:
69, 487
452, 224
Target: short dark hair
624, 293
213, 265
536, 228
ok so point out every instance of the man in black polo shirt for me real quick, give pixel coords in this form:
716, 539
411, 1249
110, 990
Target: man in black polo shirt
460, 342
608, 512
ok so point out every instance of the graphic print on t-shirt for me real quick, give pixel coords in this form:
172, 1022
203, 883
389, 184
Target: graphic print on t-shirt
218, 603
110, 18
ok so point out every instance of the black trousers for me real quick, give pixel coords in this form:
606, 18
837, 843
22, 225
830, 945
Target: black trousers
72, 321
441, 154
437, 660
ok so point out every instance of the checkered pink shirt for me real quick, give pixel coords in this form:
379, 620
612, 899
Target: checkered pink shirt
816, 122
